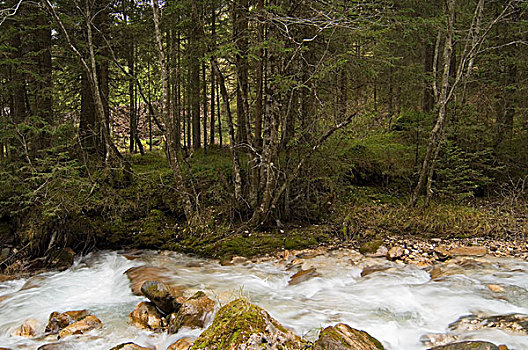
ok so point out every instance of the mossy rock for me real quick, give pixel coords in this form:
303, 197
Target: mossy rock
242, 325
371, 246
344, 337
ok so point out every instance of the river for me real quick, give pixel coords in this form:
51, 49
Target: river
397, 306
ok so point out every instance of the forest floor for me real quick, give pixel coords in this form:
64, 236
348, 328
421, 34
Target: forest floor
143, 212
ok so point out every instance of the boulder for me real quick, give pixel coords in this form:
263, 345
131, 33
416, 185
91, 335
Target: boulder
367, 270
4, 278
469, 251
242, 325
147, 316
513, 323
303, 275
27, 329
468, 345
82, 326
58, 321
192, 313
129, 346
343, 337
161, 295
395, 252
182, 344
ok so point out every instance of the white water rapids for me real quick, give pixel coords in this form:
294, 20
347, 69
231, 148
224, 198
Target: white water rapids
396, 306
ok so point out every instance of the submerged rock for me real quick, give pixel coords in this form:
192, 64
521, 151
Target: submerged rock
82, 326
344, 337
192, 313
514, 323
161, 295
4, 278
129, 346
147, 316
469, 251
182, 344
242, 325
58, 321
468, 345
303, 275
27, 329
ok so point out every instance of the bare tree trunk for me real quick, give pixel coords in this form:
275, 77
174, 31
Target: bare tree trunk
171, 146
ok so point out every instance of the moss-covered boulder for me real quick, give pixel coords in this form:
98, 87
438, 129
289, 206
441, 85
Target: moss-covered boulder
468, 345
193, 312
242, 325
344, 337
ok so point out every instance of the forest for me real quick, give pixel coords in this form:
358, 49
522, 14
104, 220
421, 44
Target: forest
194, 125
263, 174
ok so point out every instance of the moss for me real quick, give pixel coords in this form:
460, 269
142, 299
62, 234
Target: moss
235, 323
371, 246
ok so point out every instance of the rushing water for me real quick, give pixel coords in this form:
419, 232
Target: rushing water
397, 306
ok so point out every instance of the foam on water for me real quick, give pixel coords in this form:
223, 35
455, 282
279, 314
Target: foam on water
397, 306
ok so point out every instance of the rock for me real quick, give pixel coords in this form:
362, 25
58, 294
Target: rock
467, 345
58, 321
303, 275
469, 251
495, 288
442, 253
140, 274
343, 337
27, 329
147, 316
436, 339
381, 252
503, 347
370, 247
192, 313
241, 325
5, 278
182, 344
395, 253
514, 323
161, 295
82, 326
129, 346
374, 268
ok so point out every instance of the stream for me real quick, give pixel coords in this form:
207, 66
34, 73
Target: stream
397, 306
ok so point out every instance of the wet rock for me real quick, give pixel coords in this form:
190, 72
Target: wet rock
436, 339
381, 252
442, 253
193, 313
161, 295
5, 278
467, 345
514, 323
140, 274
27, 329
343, 337
495, 288
395, 252
129, 346
147, 316
370, 247
58, 321
241, 325
82, 326
52, 346
182, 344
374, 268
303, 275
469, 251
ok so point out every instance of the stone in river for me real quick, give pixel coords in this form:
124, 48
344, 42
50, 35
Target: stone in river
182, 344
161, 295
303, 275
129, 346
193, 313
28, 329
58, 321
468, 345
344, 337
82, 326
147, 316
